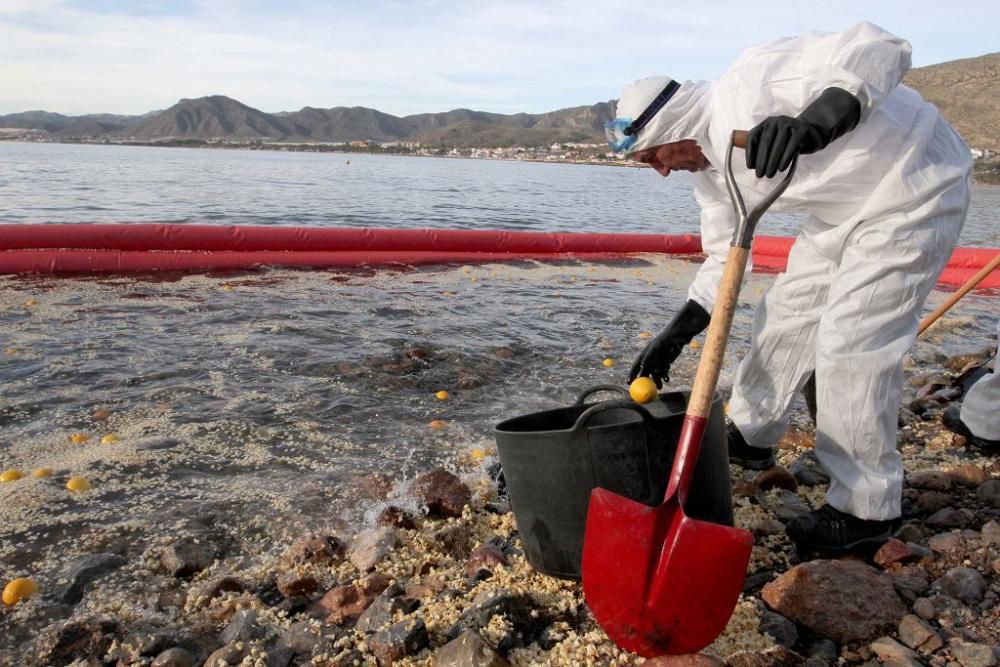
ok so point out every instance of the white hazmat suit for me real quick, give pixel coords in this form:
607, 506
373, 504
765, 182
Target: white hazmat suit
885, 206
981, 406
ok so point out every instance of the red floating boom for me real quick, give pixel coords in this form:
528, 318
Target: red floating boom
130, 248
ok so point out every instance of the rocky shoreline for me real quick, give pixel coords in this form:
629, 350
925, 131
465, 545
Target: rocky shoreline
439, 579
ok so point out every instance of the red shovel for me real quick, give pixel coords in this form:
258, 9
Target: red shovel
658, 581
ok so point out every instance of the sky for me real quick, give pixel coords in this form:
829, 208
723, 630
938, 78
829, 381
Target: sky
136, 56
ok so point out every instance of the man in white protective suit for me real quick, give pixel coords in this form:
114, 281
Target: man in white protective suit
978, 417
885, 183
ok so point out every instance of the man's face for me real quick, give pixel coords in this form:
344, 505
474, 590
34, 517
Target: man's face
685, 155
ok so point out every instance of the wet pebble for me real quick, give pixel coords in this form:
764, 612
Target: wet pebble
990, 533
780, 628
932, 501
230, 654
689, 660
87, 570
174, 657
944, 543
381, 611
84, 638
344, 604
924, 608
407, 637
485, 557
395, 517
784, 504
187, 556
775, 477
293, 583
317, 549
452, 540
469, 650
968, 475
442, 493
371, 546
243, 627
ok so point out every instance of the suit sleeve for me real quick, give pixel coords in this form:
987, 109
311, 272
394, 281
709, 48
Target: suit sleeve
718, 222
864, 60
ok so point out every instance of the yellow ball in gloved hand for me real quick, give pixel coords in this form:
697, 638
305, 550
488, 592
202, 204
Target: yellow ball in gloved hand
642, 390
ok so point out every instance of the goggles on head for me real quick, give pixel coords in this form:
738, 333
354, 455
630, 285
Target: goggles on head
621, 132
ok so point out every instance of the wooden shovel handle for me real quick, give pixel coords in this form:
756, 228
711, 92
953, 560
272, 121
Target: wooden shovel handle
962, 291
740, 138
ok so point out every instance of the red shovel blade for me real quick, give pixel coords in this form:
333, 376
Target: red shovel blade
644, 605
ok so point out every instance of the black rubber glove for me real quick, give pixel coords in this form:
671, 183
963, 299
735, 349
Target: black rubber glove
655, 360
773, 143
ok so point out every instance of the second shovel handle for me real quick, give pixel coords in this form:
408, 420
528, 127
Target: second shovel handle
740, 138
714, 352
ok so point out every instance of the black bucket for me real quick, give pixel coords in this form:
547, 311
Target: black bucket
552, 460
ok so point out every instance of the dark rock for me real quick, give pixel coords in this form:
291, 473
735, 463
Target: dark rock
776, 656
784, 504
515, 607
75, 639
970, 654
317, 549
215, 587
808, 471
892, 552
989, 492
919, 551
242, 628
775, 477
376, 486
950, 517
933, 501
187, 556
400, 640
824, 649
487, 557
754, 582
230, 654
469, 650
87, 570
155, 444
293, 583
962, 583
380, 612
300, 640
444, 494
924, 608
344, 604
745, 488
909, 532
395, 517
910, 582
929, 480
990, 533
846, 601
371, 546
894, 654
174, 657
780, 628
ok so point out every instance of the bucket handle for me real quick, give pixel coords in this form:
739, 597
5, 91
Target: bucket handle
597, 408
622, 391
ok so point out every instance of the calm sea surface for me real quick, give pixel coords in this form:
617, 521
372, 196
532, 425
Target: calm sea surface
261, 397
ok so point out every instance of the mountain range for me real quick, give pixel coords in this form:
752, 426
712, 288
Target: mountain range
967, 92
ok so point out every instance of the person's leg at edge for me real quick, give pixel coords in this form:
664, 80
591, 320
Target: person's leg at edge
782, 353
888, 267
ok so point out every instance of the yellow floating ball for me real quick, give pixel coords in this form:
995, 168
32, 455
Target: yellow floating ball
11, 351
77, 484
695, 345
437, 424
642, 390
11, 475
477, 454
442, 395
31, 302
609, 362
41, 473
109, 439
227, 288
19, 589
79, 438
645, 334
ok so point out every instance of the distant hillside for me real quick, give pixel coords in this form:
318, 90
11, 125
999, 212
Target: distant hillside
967, 92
